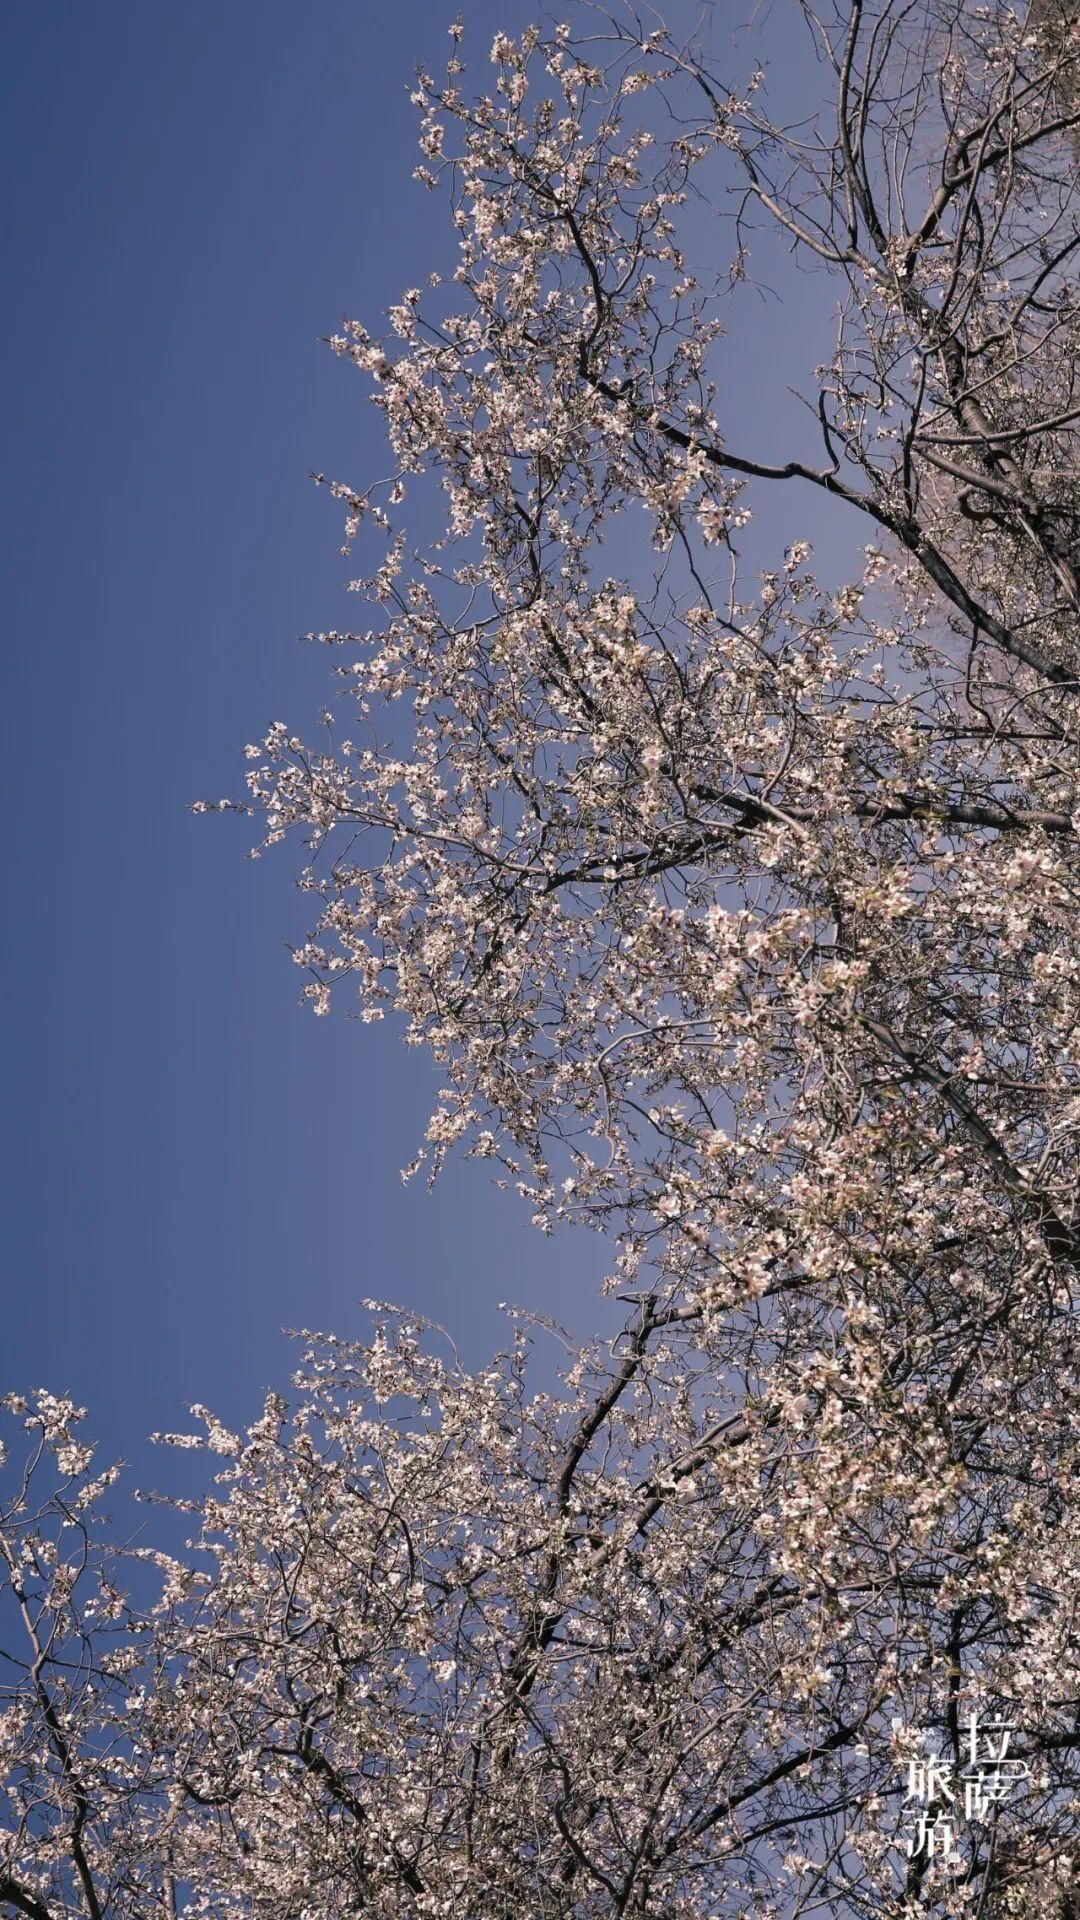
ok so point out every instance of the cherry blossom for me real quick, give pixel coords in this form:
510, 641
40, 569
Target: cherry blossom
737, 908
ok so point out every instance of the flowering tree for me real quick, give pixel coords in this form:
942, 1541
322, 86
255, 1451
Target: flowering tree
440, 1644
444, 1647
739, 914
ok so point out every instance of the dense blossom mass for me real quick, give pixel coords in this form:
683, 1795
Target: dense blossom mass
739, 910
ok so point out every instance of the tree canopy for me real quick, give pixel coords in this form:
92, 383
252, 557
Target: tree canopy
738, 908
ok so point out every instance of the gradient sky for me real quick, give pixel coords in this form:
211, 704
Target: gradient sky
194, 195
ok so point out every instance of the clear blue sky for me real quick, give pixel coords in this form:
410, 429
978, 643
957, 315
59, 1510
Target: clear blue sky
193, 196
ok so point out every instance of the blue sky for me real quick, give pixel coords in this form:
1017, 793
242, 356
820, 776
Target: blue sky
193, 196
